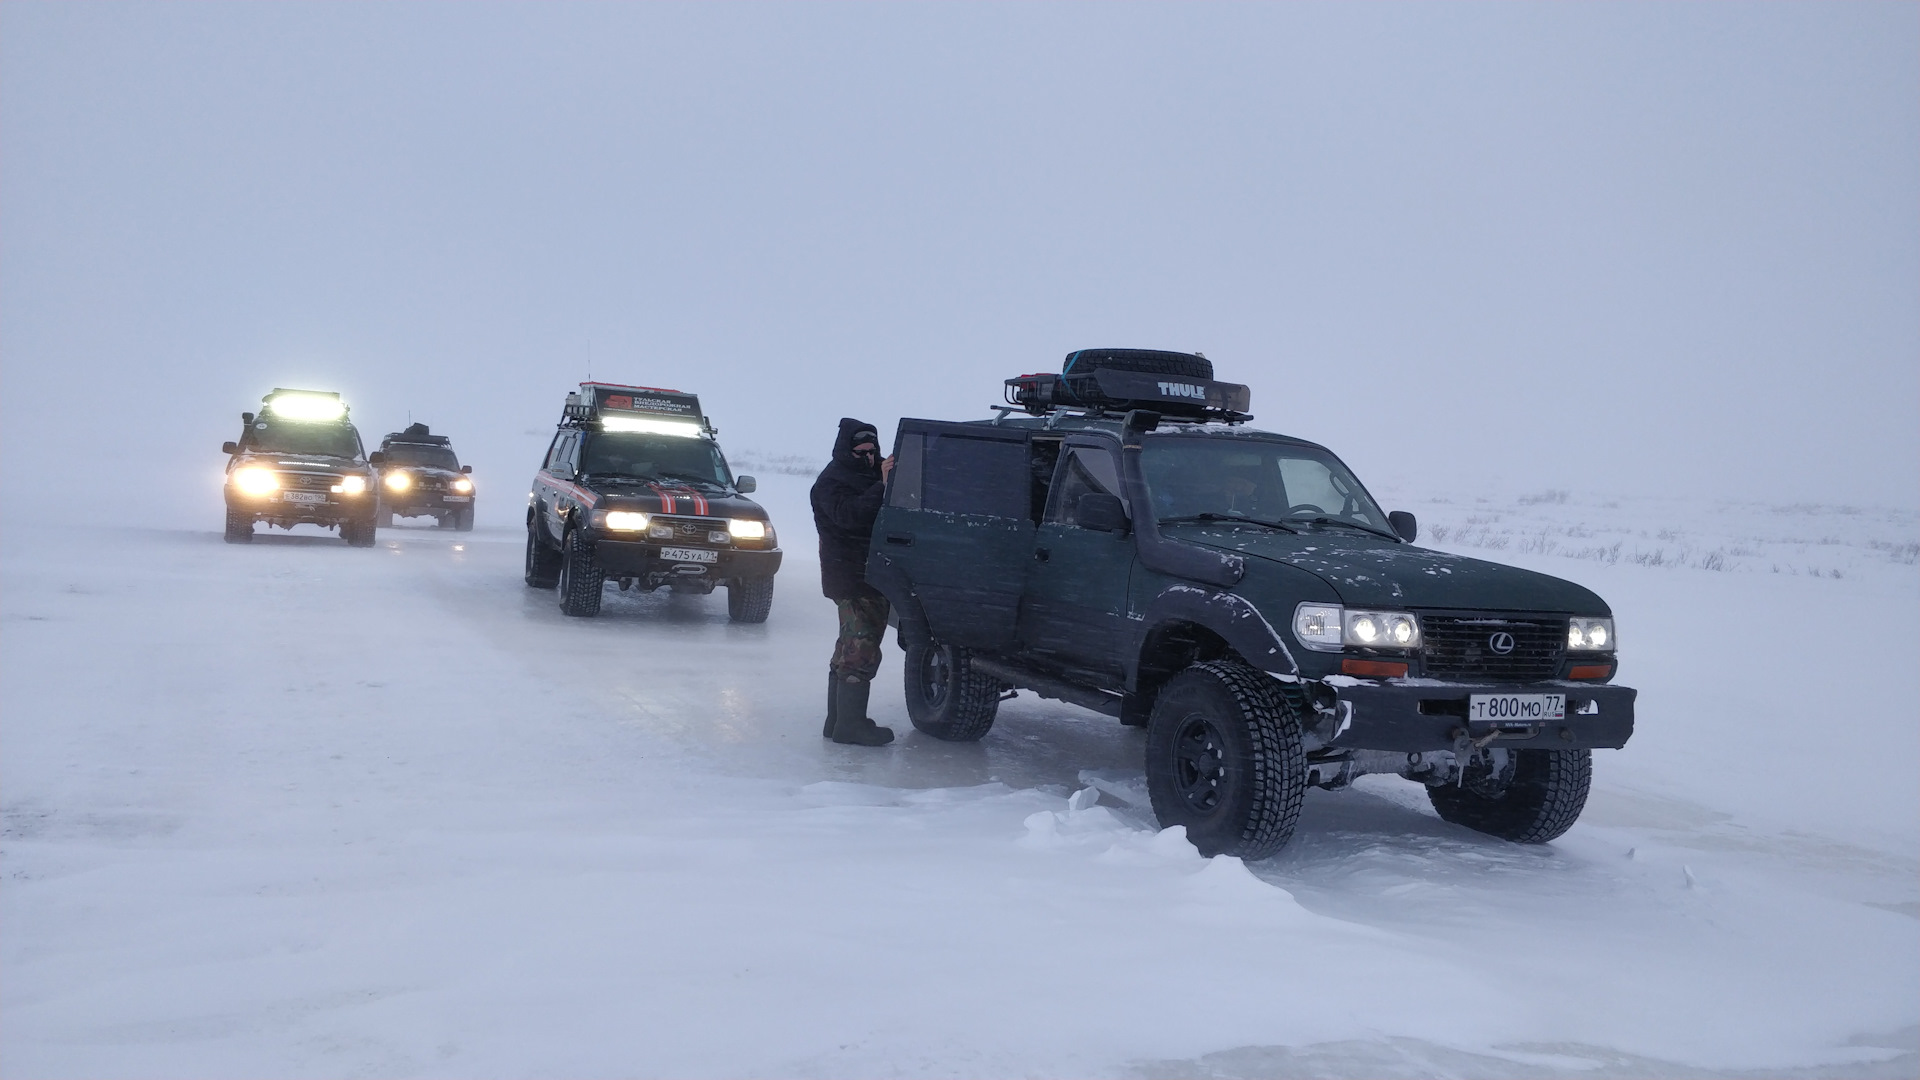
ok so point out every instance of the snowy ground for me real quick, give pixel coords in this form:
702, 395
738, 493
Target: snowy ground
302, 810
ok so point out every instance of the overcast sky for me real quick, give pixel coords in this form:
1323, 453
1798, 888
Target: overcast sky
1668, 248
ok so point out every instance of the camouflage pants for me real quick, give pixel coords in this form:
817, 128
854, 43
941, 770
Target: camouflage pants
863, 623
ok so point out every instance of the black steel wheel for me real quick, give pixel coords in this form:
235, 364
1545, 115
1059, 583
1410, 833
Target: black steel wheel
1224, 759
750, 600
239, 528
946, 698
581, 578
1533, 797
543, 563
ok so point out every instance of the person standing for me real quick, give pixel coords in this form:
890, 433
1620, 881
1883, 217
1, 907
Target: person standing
846, 499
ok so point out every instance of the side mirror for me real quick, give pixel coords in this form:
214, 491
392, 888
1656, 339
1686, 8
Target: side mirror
466, 468
1404, 525
229, 447
376, 458
745, 485
1101, 511
246, 418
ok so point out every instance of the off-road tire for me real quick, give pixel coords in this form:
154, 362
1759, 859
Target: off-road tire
1541, 802
1224, 759
946, 698
383, 519
749, 600
357, 532
581, 578
1146, 361
463, 519
239, 528
543, 563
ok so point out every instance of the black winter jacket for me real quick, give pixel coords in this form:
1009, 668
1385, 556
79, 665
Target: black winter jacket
846, 499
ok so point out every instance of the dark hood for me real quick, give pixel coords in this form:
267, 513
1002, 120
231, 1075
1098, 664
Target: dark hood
843, 446
1377, 572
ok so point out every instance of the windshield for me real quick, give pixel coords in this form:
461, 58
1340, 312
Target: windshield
642, 455
1256, 480
283, 437
431, 457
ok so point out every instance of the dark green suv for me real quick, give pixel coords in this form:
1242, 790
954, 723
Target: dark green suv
1129, 545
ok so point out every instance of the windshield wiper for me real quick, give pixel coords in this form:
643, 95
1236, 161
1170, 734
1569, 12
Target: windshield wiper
1234, 518
1351, 525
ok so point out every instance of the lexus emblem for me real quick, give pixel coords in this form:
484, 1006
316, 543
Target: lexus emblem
1501, 643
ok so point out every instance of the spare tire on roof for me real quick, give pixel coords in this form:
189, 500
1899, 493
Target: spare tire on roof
1146, 361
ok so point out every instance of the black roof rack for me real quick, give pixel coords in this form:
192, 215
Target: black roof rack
416, 433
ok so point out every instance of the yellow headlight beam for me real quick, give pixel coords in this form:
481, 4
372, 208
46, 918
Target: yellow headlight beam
313, 408
398, 481
747, 529
256, 481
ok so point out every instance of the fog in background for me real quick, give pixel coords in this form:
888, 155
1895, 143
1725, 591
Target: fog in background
1668, 249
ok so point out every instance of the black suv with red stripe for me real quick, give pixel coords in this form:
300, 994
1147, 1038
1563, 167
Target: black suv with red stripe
635, 492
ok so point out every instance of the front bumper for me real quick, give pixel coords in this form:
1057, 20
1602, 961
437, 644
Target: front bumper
1420, 715
274, 507
413, 504
632, 558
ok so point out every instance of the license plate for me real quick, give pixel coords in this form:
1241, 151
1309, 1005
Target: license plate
689, 555
304, 497
457, 498
1516, 708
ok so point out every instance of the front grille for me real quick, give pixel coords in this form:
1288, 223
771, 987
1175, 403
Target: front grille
1461, 646
692, 529
309, 481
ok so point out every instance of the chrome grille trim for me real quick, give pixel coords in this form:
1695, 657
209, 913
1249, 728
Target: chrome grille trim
1457, 646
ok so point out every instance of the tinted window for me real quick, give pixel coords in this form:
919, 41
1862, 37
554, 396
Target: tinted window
431, 457
283, 437
1252, 478
646, 456
966, 475
1085, 470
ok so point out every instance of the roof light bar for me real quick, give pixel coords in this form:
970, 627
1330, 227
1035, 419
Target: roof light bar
312, 406
684, 428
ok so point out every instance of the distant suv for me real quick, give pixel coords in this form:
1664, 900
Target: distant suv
635, 491
299, 462
420, 476
1130, 546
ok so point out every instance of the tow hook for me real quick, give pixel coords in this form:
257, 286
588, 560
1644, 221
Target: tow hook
1464, 744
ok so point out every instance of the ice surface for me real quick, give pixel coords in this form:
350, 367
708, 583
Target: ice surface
296, 809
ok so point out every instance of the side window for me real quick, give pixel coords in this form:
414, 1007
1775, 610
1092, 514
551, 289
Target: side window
964, 475
560, 454
903, 484
1084, 470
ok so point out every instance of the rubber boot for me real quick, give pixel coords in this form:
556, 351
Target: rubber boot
852, 724
833, 703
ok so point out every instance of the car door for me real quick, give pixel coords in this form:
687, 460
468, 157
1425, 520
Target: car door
1074, 610
556, 484
958, 521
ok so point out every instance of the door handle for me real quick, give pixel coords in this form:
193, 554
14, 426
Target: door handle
902, 539
1042, 554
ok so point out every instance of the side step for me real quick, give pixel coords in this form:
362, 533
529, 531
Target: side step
1047, 686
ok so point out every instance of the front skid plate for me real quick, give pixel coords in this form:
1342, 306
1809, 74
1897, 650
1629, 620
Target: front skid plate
1430, 716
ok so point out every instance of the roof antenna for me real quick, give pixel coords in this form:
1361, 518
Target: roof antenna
589, 359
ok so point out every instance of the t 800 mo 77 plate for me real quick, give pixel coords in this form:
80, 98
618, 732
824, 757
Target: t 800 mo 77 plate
1516, 708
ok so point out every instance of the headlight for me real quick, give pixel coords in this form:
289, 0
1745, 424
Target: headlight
620, 520
746, 529
352, 485
1589, 635
1330, 627
397, 481
256, 481
462, 485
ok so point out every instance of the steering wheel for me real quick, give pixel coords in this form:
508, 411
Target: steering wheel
1305, 510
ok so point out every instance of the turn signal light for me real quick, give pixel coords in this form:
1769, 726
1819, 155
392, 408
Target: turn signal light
1374, 669
1590, 671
